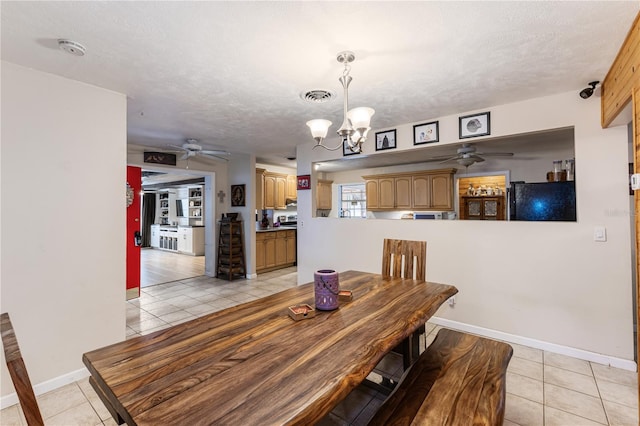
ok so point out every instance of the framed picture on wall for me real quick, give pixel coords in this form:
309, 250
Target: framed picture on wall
346, 150
425, 133
237, 195
471, 126
386, 140
304, 182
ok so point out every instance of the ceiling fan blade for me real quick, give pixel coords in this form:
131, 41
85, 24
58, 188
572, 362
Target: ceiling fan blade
179, 147
496, 154
446, 160
438, 158
214, 152
213, 156
185, 156
476, 158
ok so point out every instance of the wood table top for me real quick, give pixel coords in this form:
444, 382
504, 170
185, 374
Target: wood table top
252, 364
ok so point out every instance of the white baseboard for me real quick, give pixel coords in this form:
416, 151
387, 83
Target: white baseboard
252, 276
624, 364
44, 387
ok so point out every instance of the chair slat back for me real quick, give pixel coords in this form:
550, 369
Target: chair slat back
404, 258
18, 372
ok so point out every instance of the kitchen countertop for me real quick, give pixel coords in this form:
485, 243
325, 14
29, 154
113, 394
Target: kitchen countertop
278, 228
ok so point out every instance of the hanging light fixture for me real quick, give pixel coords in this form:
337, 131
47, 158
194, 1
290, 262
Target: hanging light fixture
355, 124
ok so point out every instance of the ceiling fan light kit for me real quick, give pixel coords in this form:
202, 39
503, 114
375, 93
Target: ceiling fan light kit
191, 148
355, 124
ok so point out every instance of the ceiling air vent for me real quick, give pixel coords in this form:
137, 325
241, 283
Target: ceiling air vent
317, 96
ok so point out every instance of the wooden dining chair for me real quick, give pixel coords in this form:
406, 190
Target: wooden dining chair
18, 372
406, 259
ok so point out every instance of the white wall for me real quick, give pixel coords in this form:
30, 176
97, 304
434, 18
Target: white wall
544, 282
63, 220
242, 170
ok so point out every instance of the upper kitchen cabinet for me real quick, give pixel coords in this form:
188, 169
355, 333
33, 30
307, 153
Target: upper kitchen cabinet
426, 190
292, 187
274, 189
323, 194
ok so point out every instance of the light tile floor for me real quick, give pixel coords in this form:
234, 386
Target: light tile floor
543, 388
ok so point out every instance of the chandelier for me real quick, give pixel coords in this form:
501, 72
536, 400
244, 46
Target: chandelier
355, 124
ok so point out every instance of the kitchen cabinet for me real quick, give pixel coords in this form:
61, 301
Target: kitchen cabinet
482, 208
196, 205
323, 194
260, 189
191, 240
292, 187
163, 210
275, 191
275, 250
428, 190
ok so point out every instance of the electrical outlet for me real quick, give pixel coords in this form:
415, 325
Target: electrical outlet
301, 223
452, 301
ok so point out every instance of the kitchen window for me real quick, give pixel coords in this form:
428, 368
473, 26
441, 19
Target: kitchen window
353, 201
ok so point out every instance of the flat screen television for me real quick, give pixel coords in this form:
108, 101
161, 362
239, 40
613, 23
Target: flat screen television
543, 201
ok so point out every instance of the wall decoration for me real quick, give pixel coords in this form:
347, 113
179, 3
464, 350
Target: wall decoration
386, 140
426, 133
346, 151
160, 158
471, 126
237, 195
304, 182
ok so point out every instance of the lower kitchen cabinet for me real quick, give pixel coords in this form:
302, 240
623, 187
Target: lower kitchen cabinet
186, 240
155, 236
275, 250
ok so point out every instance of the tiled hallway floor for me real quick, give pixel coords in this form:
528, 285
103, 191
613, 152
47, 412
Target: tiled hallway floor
543, 388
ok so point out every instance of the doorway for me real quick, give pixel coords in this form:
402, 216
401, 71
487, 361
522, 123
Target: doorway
163, 263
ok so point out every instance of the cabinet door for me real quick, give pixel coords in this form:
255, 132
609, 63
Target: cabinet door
281, 249
420, 192
269, 192
386, 186
292, 186
281, 192
473, 209
403, 192
270, 253
182, 240
323, 194
261, 252
155, 236
373, 194
291, 246
441, 189
260, 189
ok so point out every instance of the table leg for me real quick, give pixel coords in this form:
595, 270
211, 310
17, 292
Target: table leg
106, 402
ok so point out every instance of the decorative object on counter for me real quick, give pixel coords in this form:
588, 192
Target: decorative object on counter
557, 170
304, 182
471, 126
345, 296
426, 133
386, 140
300, 312
264, 223
327, 288
221, 195
237, 195
355, 124
470, 190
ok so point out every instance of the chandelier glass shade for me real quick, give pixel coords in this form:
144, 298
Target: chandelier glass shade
355, 124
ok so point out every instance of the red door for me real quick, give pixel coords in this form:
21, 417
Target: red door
134, 186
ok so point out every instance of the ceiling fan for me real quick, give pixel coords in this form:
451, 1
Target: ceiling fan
191, 148
467, 155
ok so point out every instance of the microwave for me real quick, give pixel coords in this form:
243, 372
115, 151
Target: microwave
433, 215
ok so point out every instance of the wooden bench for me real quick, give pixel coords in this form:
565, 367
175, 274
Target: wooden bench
459, 380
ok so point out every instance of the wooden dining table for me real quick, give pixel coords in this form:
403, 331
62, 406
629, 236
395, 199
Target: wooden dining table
252, 364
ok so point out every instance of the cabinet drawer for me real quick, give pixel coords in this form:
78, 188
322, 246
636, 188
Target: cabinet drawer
261, 236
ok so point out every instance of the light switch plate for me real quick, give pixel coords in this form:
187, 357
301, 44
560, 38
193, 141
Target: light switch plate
635, 182
600, 234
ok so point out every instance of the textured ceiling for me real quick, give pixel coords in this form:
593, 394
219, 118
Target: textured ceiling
230, 73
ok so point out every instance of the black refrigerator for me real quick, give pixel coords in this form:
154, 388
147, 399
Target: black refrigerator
543, 201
